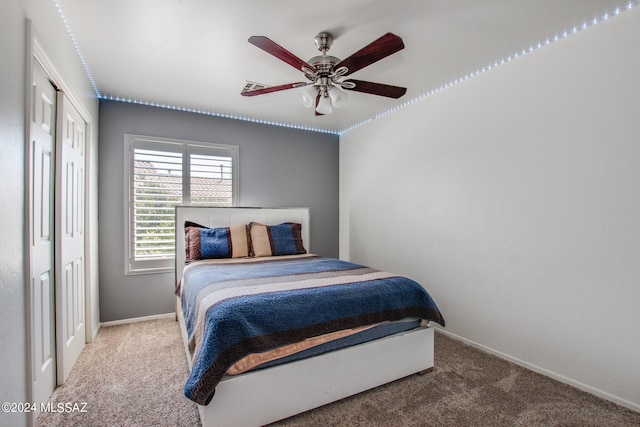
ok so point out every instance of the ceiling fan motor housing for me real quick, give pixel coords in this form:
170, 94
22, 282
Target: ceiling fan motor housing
323, 63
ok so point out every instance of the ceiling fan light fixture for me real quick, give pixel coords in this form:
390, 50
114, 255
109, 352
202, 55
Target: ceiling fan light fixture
308, 96
324, 104
338, 97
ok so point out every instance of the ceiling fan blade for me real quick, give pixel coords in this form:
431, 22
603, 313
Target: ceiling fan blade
377, 88
373, 52
271, 89
279, 52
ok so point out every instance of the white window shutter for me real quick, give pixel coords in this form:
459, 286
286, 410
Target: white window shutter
157, 189
165, 173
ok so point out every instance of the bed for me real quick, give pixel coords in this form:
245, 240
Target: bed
328, 343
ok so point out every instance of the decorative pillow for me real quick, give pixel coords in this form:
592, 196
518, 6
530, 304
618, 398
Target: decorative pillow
273, 240
205, 243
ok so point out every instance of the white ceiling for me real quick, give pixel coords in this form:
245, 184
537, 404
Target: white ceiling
194, 54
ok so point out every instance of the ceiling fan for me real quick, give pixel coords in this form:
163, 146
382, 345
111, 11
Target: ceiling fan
325, 73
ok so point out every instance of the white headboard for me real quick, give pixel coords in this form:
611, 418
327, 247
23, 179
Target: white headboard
223, 217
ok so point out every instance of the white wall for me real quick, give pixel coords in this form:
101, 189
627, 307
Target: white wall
514, 197
48, 28
52, 37
13, 369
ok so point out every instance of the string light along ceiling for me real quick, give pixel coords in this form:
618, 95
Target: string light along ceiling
336, 100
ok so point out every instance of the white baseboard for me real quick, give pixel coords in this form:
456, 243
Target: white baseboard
581, 386
94, 334
138, 319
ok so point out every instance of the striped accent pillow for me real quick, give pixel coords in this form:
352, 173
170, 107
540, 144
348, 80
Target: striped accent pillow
273, 240
206, 243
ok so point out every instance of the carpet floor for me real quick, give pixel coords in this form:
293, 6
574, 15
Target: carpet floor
133, 374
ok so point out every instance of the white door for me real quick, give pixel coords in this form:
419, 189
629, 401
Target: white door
70, 259
42, 169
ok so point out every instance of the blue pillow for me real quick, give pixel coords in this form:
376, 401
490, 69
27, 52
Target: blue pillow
215, 243
206, 243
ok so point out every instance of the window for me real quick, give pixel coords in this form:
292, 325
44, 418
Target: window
160, 174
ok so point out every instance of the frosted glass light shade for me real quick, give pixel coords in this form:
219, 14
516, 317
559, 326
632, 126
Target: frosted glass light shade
308, 96
324, 105
338, 97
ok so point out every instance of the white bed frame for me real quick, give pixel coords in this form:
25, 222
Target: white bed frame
264, 396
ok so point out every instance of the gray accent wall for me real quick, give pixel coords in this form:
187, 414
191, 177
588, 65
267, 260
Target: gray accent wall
278, 167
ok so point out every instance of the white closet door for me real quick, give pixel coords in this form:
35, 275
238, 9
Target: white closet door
42, 171
70, 257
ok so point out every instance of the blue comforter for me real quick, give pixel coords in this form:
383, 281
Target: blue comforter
239, 307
